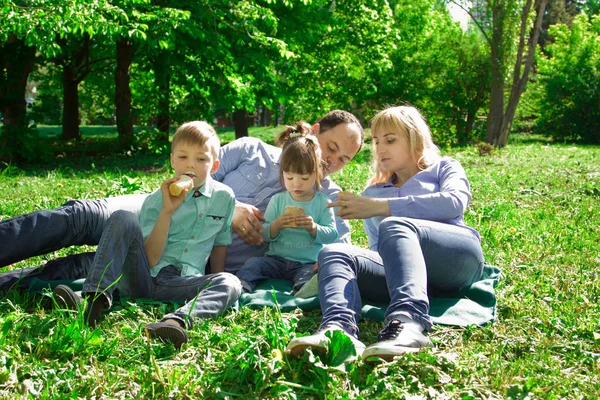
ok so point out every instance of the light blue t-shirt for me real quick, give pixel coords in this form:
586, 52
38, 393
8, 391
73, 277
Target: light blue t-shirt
297, 244
439, 193
199, 224
250, 167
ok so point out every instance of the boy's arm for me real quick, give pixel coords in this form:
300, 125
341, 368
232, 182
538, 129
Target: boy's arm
155, 243
217, 259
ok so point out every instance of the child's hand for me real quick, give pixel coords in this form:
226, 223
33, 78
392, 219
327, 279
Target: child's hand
305, 221
284, 221
171, 203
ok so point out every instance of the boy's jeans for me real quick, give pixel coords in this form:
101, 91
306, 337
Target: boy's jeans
256, 269
77, 222
121, 258
414, 257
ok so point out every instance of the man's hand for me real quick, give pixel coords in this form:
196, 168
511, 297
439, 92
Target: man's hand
247, 223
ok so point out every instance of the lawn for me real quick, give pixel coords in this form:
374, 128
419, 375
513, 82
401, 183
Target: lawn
534, 203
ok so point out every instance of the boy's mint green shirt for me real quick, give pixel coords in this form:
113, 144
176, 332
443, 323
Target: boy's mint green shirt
297, 244
199, 224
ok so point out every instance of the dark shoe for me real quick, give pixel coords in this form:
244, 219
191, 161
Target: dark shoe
96, 303
397, 338
167, 333
67, 298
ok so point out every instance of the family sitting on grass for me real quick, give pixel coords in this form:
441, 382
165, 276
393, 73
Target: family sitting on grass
159, 246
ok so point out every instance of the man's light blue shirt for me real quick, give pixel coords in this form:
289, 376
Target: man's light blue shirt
439, 193
199, 224
297, 244
251, 168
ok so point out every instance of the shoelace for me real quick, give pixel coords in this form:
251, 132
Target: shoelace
391, 331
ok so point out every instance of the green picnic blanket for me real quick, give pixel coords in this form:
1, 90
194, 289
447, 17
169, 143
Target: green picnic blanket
475, 305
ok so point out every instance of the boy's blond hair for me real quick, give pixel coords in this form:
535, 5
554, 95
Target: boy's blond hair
407, 121
197, 133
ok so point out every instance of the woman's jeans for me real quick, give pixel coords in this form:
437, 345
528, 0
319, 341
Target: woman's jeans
121, 264
414, 258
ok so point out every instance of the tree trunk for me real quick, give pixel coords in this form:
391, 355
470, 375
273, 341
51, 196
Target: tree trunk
70, 122
240, 123
162, 82
499, 119
16, 63
76, 67
520, 80
123, 92
494, 121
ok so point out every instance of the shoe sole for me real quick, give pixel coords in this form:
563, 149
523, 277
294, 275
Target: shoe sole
299, 349
168, 333
67, 298
389, 356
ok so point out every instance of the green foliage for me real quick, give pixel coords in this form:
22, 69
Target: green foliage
569, 80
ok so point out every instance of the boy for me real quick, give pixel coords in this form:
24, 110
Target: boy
163, 255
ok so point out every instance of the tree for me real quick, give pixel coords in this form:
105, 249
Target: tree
569, 79
510, 21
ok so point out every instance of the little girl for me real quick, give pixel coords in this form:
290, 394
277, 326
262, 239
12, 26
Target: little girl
294, 239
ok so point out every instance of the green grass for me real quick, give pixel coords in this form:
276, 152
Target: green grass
534, 203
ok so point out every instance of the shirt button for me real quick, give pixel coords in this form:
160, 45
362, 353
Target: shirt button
199, 215
247, 176
185, 250
193, 237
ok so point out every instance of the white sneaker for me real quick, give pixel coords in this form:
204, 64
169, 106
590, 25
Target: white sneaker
310, 288
397, 338
319, 342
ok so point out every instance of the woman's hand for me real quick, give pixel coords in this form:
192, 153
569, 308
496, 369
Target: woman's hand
360, 207
246, 223
171, 203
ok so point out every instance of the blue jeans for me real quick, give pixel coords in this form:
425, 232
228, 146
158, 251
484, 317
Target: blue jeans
415, 258
77, 222
121, 264
256, 269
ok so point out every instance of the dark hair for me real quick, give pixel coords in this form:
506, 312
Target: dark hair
337, 117
301, 153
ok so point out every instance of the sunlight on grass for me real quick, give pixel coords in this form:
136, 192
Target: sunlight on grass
534, 203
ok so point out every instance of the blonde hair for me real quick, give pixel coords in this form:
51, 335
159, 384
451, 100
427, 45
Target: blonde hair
301, 153
197, 133
407, 121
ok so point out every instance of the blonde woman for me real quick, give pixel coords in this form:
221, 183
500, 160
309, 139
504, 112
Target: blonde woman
413, 214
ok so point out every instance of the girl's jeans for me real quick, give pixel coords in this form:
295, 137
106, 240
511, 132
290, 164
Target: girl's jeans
121, 264
256, 269
414, 258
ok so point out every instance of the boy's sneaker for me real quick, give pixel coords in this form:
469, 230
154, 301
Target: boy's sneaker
396, 338
167, 332
319, 342
309, 289
67, 298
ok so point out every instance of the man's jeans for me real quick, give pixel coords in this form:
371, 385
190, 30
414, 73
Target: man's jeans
77, 222
121, 264
414, 258
259, 268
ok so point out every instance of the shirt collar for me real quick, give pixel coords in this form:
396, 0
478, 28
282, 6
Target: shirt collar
206, 189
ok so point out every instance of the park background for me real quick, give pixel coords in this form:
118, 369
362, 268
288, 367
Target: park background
91, 90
